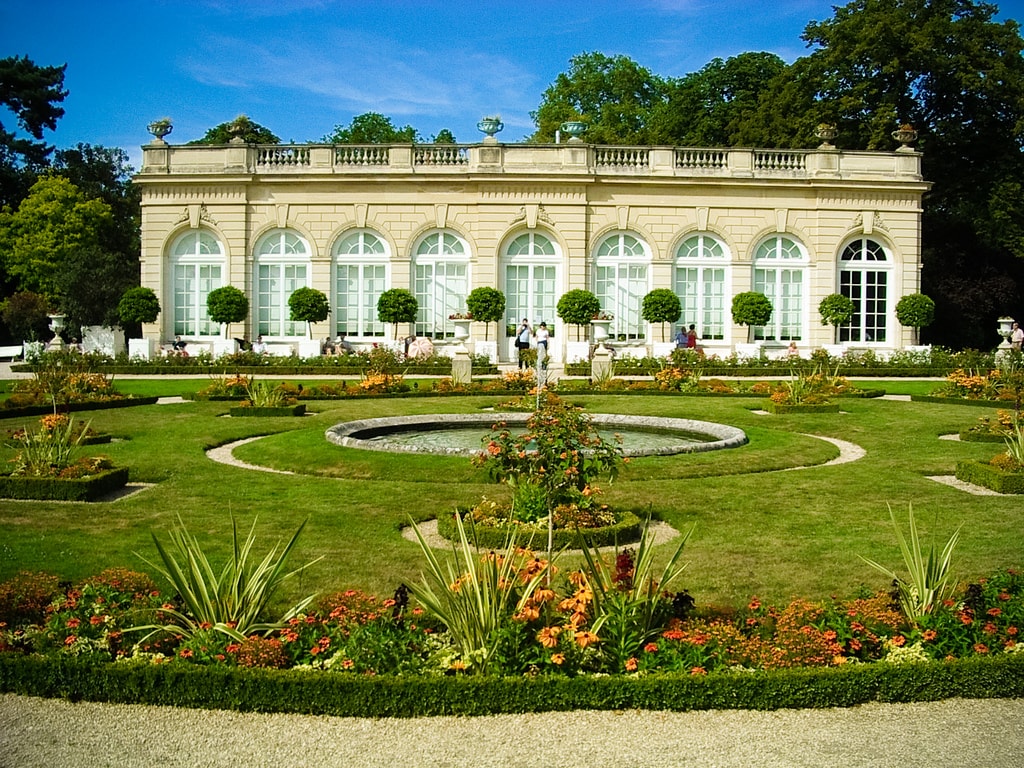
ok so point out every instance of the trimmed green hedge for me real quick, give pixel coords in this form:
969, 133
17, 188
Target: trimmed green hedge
987, 476
58, 489
961, 401
626, 531
283, 410
981, 437
43, 410
780, 408
342, 695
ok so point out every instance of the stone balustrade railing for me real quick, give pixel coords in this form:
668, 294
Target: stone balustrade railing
527, 159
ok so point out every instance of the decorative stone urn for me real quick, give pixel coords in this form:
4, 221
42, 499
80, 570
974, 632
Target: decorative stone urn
575, 129
490, 126
160, 128
905, 135
462, 329
826, 132
601, 330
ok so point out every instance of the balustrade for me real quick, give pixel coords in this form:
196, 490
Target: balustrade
440, 154
622, 157
779, 160
702, 158
281, 157
355, 154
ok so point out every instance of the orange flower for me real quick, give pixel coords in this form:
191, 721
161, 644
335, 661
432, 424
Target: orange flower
527, 614
584, 638
558, 659
631, 664
698, 671
548, 637
929, 635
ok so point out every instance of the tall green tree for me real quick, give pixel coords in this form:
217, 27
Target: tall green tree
371, 128
33, 94
954, 73
614, 95
247, 130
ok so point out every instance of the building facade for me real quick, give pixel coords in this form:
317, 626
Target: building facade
533, 221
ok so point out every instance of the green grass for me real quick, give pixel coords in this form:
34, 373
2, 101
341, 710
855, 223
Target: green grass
763, 531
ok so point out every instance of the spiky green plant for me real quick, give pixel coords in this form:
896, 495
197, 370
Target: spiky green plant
472, 593
928, 579
631, 606
233, 601
262, 394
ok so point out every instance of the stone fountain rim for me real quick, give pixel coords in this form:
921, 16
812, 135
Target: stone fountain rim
726, 436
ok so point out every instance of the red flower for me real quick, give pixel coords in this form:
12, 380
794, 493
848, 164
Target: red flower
185, 653
980, 648
929, 635
651, 648
70, 640
72, 623
990, 628
899, 641
698, 671
994, 611
754, 604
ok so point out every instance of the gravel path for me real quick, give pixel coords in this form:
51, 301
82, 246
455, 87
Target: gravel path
52, 733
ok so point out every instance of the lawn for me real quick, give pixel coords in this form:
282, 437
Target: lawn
764, 525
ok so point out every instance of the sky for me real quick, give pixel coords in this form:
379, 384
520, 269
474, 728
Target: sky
302, 67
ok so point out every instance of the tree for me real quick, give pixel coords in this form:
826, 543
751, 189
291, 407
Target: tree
90, 284
614, 94
836, 309
661, 306
444, 136
751, 308
138, 305
397, 305
578, 307
372, 128
242, 127
308, 305
26, 314
51, 228
915, 310
718, 105
957, 76
487, 305
32, 93
227, 305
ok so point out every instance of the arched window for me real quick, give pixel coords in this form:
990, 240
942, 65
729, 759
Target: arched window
531, 280
621, 281
864, 277
282, 267
197, 267
441, 282
779, 273
360, 277
700, 283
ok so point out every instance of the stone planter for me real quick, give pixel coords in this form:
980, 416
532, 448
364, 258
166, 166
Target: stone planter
462, 329
601, 330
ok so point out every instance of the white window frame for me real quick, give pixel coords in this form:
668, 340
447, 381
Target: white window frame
781, 273
201, 255
286, 256
862, 260
626, 255
701, 279
535, 252
367, 254
445, 255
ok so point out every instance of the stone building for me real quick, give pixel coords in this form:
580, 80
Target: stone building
533, 221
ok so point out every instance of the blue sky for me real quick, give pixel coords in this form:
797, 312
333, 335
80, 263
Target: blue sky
300, 67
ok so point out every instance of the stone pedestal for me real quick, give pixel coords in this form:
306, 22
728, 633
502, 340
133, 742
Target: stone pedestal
141, 349
462, 366
103, 339
601, 365
488, 348
309, 348
223, 347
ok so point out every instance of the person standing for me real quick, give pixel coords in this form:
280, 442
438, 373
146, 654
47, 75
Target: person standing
691, 337
523, 341
1017, 337
542, 345
681, 338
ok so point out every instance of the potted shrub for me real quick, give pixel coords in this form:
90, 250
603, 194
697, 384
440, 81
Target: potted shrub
227, 305
578, 307
917, 311
138, 305
395, 306
308, 305
836, 309
486, 305
661, 306
751, 308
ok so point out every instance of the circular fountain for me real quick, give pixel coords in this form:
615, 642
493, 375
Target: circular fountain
462, 434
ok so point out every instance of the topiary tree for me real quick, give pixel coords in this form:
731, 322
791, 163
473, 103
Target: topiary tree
26, 314
397, 305
308, 305
486, 305
661, 306
137, 305
836, 309
917, 311
578, 307
751, 308
227, 305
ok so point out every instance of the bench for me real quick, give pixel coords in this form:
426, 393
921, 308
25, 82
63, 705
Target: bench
11, 352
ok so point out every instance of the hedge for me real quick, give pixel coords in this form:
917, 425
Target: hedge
961, 401
968, 436
342, 695
282, 410
780, 408
58, 489
99, 405
987, 476
627, 530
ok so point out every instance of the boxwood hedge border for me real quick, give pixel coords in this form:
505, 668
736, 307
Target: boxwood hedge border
625, 532
43, 410
341, 695
987, 476
60, 489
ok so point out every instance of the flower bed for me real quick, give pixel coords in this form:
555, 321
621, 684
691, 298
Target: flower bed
89, 488
126, 401
991, 477
624, 531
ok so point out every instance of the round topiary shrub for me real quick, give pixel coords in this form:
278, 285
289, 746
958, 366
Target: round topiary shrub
138, 305
917, 311
578, 307
836, 309
751, 308
487, 305
308, 305
227, 305
661, 306
395, 306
